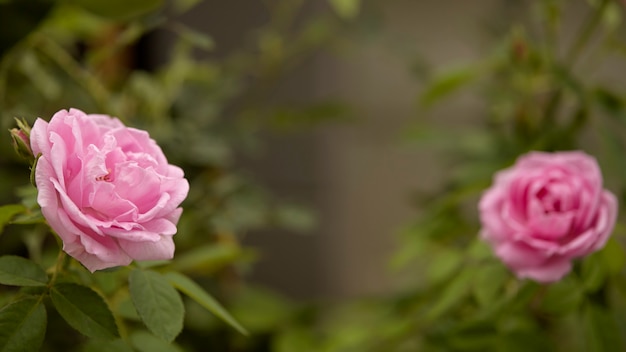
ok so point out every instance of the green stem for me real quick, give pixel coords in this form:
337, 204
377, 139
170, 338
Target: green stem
82, 77
61, 264
586, 33
4, 68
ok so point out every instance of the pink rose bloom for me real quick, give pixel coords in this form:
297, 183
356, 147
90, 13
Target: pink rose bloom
107, 190
546, 210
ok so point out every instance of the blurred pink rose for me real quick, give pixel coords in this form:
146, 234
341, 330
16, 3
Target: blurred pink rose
546, 210
106, 189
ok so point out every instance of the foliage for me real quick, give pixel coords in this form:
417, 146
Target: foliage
538, 91
57, 54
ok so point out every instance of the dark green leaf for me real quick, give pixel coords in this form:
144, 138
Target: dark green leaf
7, 212
119, 9
185, 5
609, 102
613, 257
117, 345
195, 292
28, 195
601, 330
157, 302
488, 283
260, 310
29, 218
18, 271
22, 325
143, 341
446, 84
207, 258
563, 297
593, 272
41, 77
453, 294
295, 339
523, 342
287, 118
294, 218
444, 264
84, 310
473, 341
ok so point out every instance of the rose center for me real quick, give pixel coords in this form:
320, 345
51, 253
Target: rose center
107, 177
549, 202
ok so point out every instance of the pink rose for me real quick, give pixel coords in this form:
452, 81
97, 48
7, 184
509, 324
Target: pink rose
107, 190
546, 210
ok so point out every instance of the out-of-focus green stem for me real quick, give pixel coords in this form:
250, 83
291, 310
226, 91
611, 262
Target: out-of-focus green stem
582, 39
96, 90
585, 33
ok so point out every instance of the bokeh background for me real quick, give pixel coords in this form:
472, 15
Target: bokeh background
336, 150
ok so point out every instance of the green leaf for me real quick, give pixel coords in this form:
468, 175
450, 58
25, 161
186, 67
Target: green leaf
157, 302
18, 271
294, 218
347, 9
143, 341
302, 116
184, 5
479, 250
601, 330
261, 310
447, 83
452, 295
295, 339
84, 310
195, 292
563, 297
488, 283
610, 102
22, 325
612, 16
524, 341
444, 265
119, 9
7, 212
117, 345
473, 336
197, 39
29, 218
207, 258
40, 76
613, 257
593, 272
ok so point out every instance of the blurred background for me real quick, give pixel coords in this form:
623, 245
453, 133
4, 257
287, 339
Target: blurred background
336, 150
356, 174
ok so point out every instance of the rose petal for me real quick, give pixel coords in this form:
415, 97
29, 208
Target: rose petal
551, 270
162, 249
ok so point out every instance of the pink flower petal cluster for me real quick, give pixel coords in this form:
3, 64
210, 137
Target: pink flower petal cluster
546, 210
106, 189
